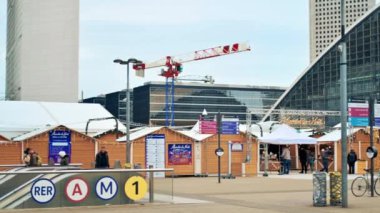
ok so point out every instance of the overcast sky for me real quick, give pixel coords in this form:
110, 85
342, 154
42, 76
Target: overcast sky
277, 30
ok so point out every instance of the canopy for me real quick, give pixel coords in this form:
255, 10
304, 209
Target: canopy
287, 135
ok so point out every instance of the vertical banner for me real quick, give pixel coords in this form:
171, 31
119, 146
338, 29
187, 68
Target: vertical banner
180, 154
59, 140
377, 115
155, 152
358, 114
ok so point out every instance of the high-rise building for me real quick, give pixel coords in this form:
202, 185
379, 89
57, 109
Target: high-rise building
42, 50
325, 21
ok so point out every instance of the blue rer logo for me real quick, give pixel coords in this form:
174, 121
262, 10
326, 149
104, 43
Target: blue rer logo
43, 191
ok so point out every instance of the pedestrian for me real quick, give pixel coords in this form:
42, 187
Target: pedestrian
303, 158
26, 158
286, 159
351, 159
64, 158
311, 161
101, 160
34, 158
325, 155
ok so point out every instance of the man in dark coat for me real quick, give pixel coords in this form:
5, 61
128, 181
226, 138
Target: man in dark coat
303, 158
102, 159
351, 159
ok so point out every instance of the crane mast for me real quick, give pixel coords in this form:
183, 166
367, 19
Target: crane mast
173, 66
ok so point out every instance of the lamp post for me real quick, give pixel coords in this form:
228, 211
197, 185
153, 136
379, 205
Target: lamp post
127, 107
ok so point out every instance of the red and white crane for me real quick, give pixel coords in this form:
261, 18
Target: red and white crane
173, 66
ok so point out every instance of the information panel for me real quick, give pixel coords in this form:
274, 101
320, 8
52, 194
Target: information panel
59, 140
155, 152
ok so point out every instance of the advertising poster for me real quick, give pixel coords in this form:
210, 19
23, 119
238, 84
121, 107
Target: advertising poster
180, 154
59, 140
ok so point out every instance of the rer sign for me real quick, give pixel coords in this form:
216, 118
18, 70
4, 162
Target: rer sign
43, 191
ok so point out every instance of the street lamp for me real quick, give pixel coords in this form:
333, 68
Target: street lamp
127, 107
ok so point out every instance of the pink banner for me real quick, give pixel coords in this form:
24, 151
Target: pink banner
207, 127
358, 112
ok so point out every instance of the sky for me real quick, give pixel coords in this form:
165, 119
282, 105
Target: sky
277, 30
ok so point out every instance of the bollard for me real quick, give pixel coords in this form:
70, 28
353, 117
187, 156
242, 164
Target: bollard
151, 176
117, 164
319, 189
335, 189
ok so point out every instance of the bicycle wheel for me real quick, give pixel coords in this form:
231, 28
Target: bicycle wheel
359, 186
377, 186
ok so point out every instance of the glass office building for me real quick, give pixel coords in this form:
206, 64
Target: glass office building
318, 88
192, 98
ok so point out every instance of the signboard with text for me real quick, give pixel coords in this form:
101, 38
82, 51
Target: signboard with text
59, 140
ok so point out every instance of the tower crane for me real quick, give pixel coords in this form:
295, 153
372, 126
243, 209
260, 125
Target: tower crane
174, 67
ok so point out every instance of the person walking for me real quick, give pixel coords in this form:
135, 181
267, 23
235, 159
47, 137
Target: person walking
286, 159
351, 159
311, 160
64, 158
102, 160
325, 155
303, 158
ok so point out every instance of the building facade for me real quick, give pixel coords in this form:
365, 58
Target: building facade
115, 103
325, 21
192, 98
42, 50
318, 87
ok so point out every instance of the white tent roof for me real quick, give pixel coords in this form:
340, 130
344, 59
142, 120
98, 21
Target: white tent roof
285, 134
140, 133
336, 135
33, 133
28, 116
195, 135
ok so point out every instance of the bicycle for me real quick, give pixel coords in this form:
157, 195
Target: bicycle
361, 184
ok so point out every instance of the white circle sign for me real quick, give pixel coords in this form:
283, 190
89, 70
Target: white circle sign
43, 191
77, 190
106, 188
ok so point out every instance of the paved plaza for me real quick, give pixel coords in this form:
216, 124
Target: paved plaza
291, 194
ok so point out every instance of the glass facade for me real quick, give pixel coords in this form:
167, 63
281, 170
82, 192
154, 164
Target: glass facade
115, 103
319, 87
192, 98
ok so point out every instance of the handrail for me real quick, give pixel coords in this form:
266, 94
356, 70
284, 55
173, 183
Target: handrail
87, 171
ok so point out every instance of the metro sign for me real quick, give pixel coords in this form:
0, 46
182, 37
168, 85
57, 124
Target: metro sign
106, 188
43, 191
77, 190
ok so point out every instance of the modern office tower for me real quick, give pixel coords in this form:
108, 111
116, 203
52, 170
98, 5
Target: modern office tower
42, 50
325, 21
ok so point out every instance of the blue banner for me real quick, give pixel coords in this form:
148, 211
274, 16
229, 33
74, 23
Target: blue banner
59, 140
230, 127
358, 121
377, 122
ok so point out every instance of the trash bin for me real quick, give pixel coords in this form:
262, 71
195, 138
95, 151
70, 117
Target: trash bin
319, 189
335, 189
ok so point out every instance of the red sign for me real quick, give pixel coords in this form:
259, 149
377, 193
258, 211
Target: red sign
77, 190
358, 112
207, 127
